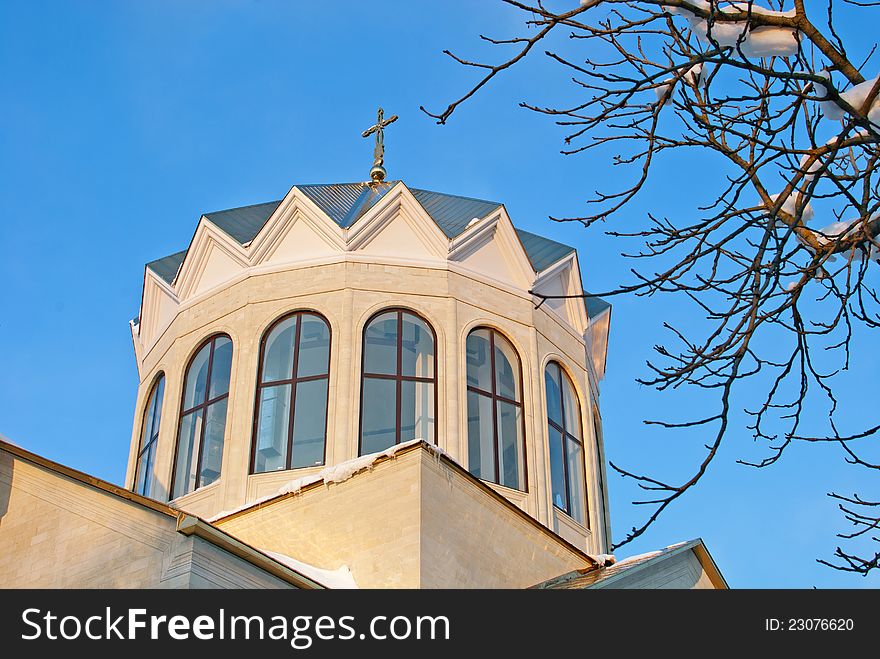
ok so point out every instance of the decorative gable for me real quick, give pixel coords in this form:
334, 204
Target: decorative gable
491, 247
298, 241
562, 282
297, 231
217, 267
398, 227
386, 221
157, 311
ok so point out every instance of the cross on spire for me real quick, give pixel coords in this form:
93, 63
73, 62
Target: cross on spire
377, 173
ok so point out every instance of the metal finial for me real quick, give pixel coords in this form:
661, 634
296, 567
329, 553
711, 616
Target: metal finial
377, 173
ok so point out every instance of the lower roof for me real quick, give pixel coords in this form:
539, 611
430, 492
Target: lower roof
607, 575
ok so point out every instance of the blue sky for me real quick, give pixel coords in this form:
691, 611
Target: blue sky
122, 122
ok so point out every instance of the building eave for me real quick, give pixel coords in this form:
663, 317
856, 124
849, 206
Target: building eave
190, 525
186, 524
707, 563
88, 480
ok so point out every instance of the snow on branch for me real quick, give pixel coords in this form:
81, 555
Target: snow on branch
763, 116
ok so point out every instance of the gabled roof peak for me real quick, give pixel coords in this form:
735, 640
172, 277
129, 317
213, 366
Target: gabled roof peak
345, 203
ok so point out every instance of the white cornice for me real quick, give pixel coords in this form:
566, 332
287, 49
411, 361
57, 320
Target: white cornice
474, 237
453, 267
556, 269
148, 328
567, 272
398, 202
520, 260
577, 305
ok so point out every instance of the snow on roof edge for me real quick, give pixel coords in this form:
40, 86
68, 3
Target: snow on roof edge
340, 578
331, 474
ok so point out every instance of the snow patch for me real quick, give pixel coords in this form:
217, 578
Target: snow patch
858, 95
811, 170
829, 109
836, 230
332, 474
604, 560
645, 556
732, 7
639, 557
693, 75
855, 97
664, 91
345, 470
764, 41
790, 206
340, 578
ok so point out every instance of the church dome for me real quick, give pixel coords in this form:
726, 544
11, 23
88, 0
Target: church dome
298, 335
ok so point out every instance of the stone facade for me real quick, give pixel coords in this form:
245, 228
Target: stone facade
348, 288
415, 517
415, 520
62, 529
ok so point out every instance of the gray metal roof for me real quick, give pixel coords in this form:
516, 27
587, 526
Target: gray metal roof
244, 223
345, 203
167, 266
451, 212
542, 252
595, 306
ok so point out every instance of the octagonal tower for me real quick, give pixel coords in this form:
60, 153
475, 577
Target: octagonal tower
349, 319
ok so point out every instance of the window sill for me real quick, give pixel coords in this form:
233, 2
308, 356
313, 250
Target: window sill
516, 497
196, 496
571, 530
267, 482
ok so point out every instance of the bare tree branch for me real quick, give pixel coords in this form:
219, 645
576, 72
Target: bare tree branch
777, 96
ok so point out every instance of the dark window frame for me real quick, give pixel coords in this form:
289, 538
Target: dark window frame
498, 397
204, 405
293, 381
153, 441
397, 377
600, 461
568, 436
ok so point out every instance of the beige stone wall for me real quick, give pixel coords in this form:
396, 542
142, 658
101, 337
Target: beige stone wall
56, 532
369, 523
468, 540
348, 293
413, 521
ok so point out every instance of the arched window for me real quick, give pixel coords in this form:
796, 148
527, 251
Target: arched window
566, 445
291, 416
202, 417
398, 381
494, 410
145, 472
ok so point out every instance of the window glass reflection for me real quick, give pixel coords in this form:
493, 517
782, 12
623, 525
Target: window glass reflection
291, 427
